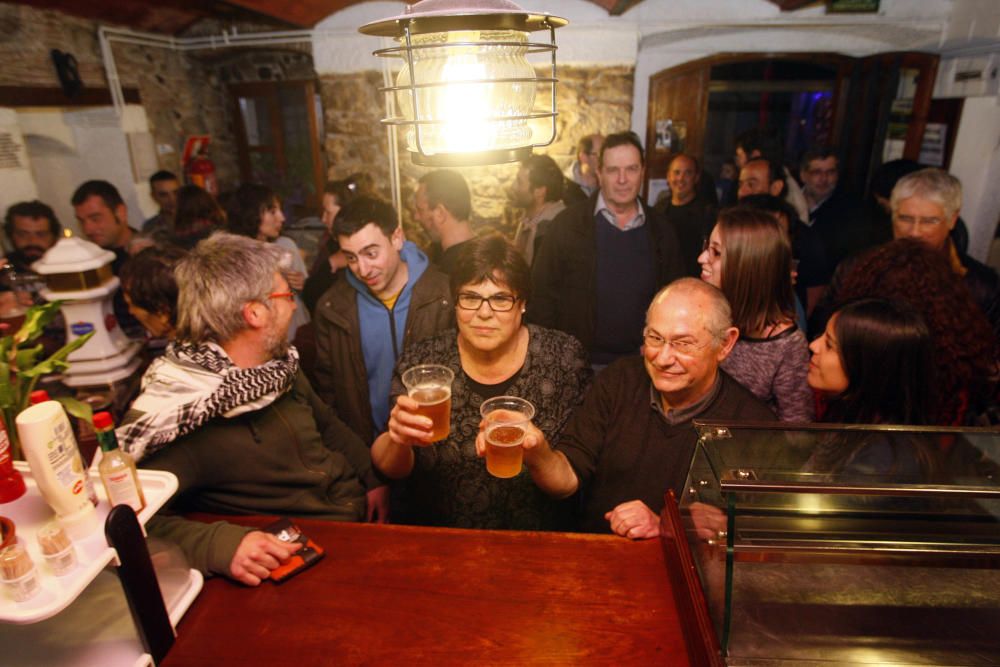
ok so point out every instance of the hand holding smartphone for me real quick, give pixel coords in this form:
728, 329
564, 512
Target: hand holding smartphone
310, 553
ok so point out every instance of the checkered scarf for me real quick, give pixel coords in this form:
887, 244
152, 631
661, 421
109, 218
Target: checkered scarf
191, 384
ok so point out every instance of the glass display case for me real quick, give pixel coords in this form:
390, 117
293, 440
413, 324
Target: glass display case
847, 544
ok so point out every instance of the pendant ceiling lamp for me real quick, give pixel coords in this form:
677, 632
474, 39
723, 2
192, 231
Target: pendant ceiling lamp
465, 90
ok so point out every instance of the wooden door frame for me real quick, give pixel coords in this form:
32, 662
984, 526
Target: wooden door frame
840, 63
876, 93
269, 90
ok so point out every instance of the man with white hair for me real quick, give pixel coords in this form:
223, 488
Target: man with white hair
229, 412
925, 206
632, 440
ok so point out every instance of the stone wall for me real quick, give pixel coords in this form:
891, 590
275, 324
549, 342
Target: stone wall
353, 138
589, 99
181, 97
183, 93
27, 35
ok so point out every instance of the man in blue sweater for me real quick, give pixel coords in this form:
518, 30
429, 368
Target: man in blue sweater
604, 258
390, 297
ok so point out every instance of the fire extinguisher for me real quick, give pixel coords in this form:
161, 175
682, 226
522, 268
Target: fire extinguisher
200, 171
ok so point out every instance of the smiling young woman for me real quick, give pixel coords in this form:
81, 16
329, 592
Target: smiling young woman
749, 257
874, 365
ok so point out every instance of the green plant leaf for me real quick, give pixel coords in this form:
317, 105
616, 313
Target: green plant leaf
35, 321
8, 397
58, 359
78, 409
25, 358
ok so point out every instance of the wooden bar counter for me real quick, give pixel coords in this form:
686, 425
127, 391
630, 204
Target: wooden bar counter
407, 595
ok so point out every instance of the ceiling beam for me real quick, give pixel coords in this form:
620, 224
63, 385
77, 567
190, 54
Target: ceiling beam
301, 13
792, 5
621, 6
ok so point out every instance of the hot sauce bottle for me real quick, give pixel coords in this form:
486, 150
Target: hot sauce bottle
117, 468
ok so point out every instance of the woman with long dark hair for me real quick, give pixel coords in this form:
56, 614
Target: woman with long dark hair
254, 210
874, 365
749, 257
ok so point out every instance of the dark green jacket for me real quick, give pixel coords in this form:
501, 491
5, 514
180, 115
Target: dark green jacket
292, 458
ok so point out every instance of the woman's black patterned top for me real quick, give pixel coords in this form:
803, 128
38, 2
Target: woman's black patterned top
449, 485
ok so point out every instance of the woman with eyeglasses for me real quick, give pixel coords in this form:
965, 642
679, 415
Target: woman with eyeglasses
492, 353
749, 257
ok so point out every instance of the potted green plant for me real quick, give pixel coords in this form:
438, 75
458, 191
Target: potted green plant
20, 369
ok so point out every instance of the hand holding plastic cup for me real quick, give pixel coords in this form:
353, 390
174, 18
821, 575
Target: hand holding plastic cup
507, 418
430, 386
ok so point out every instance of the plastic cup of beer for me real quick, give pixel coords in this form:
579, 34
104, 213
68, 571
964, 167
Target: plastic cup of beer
507, 420
430, 386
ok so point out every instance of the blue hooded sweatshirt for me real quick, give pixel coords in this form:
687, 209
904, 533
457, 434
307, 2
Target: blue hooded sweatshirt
382, 332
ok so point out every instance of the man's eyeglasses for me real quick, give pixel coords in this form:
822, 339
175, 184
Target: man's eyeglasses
910, 220
290, 295
499, 303
682, 346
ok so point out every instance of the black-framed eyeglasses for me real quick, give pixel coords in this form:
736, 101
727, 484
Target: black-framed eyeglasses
499, 303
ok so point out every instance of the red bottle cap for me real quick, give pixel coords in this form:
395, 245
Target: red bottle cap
38, 396
103, 420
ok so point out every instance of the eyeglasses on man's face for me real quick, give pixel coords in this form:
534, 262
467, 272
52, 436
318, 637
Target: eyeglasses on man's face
684, 347
290, 295
920, 221
499, 303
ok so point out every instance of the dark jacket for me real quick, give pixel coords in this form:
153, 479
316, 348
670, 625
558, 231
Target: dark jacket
622, 449
342, 380
292, 458
838, 230
321, 276
692, 224
564, 274
984, 284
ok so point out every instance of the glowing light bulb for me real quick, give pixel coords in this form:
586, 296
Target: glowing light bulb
473, 96
465, 92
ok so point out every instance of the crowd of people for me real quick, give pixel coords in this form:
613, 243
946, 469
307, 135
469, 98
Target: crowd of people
768, 299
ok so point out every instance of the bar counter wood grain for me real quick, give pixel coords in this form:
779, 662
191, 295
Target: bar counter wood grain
406, 595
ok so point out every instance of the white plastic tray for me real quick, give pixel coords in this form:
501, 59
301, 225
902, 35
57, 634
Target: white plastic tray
30, 512
95, 630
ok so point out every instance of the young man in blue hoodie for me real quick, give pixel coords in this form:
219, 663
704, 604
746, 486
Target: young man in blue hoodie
390, 297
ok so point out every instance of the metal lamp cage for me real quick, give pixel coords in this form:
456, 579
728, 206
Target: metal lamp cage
405, 28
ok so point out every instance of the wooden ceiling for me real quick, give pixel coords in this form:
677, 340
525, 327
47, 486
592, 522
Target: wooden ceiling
174, 17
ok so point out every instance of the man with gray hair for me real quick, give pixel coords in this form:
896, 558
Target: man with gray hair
229, 412
631, 441
925, 206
